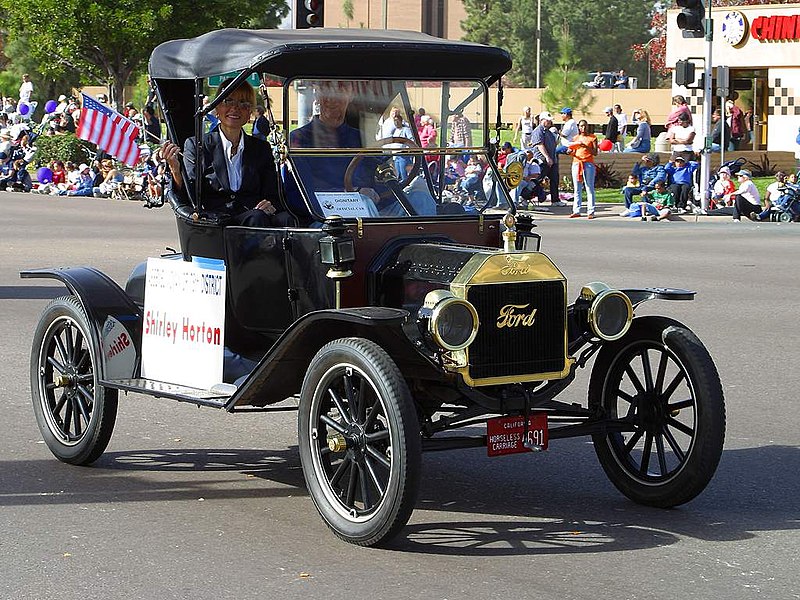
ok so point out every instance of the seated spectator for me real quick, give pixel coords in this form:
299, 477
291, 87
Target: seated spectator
656, 204
746, 200
772, 197
723, 189
454, 170
641, 141
599, 81
471, 183
505, 150
531, 185
621, 80
681, 174
84, 184
22, 181
648, 172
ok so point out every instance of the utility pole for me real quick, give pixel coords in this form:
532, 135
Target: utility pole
705, 159
538, 42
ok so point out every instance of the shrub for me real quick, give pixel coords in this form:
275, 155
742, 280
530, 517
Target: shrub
605, 176
762, 168
62, 147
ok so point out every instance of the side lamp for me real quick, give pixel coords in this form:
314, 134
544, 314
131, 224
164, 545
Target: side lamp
337, 248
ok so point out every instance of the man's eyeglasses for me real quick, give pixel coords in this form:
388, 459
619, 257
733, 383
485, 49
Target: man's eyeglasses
231, 102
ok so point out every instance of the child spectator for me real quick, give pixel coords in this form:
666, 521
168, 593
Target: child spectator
648, 172
656, 204
681, 173
22, 181
723, 188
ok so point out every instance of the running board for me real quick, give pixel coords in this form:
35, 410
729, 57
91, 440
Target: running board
216, 397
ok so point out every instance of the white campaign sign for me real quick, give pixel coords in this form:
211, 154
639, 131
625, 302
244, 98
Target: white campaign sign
346, 204
184, 322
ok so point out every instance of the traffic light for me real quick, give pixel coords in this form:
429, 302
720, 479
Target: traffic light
691, 19
684, 73
308, 13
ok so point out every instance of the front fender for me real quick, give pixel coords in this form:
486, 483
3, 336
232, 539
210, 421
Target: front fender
116, 321
639, 295
280, 372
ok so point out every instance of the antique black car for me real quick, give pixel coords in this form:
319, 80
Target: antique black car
400, 310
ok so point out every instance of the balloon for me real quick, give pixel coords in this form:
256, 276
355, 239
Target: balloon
50, 106
44, 175
23, 108
605, 145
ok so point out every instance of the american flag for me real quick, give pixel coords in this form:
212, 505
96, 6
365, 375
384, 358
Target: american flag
108, 129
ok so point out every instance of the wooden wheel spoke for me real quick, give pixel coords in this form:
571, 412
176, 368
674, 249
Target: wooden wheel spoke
648, 443
83, 407
379, 457
351, 486
372, 414
673, 385
682, 427
680, 405
61, 349
631, 443
662, 457
76, 417
57, 365
377, 436
341, 469
634, 379
647, 370
69, 343
339, 406
373, 476
673, 443
365, 495
333, 424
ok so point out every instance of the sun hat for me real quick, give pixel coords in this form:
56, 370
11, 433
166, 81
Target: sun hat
744, 173
83, 167
566, 110
608, 109
725, 169
545, 116
61, 98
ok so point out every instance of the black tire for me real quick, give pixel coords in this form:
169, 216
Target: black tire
785, 217
354, 395
75, 414
661, 383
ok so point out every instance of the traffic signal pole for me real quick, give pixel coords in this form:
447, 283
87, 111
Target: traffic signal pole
705, 159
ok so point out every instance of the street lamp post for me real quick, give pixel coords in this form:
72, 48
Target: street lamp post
538, 41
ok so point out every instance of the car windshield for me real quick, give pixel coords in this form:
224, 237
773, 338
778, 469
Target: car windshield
384, 148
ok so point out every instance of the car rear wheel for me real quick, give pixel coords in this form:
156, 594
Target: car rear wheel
359, 440
661, 387
75, 414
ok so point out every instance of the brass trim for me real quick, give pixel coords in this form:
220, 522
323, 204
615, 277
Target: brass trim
360, 226
464, 372
593, 314
436, 314
495, 267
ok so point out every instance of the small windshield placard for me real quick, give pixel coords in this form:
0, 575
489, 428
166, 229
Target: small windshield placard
346, 204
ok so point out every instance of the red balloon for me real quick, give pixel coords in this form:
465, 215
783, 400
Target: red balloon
605, 145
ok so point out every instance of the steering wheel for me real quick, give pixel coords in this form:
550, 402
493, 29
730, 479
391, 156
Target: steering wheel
351, 168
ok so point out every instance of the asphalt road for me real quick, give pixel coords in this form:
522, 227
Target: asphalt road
198, 504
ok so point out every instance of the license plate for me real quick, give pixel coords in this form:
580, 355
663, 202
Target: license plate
504, 435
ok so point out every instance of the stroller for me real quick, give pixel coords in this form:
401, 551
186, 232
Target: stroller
787, 207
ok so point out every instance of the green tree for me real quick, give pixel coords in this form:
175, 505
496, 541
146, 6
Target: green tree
347, 9
604, 32
110, 40
564, 83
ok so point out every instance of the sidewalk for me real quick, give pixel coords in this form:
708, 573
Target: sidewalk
611, 211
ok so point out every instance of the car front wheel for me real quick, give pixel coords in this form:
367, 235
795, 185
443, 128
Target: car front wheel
661, 391
359, 440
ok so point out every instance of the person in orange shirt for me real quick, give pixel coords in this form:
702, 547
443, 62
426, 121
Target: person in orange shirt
583, 149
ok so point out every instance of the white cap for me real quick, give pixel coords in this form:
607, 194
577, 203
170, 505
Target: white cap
83, 167
545, 115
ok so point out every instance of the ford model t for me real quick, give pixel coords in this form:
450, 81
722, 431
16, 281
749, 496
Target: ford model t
402, 312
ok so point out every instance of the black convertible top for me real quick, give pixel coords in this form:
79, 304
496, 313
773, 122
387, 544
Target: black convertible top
323, 52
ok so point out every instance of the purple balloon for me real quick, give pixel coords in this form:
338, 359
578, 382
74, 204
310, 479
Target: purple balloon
44, 175
23, 108
50, 106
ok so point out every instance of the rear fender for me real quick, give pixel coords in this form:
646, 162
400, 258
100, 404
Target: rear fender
280, 372
116, 320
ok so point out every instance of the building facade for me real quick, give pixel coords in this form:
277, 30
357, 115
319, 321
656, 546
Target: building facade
760, 45
441, 18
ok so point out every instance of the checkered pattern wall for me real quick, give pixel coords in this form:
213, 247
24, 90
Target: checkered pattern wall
782, 99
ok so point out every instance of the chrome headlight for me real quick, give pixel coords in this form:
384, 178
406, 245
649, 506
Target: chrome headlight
610, 311
452, 323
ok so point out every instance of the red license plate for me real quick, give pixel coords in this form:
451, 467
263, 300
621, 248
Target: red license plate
504, 435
